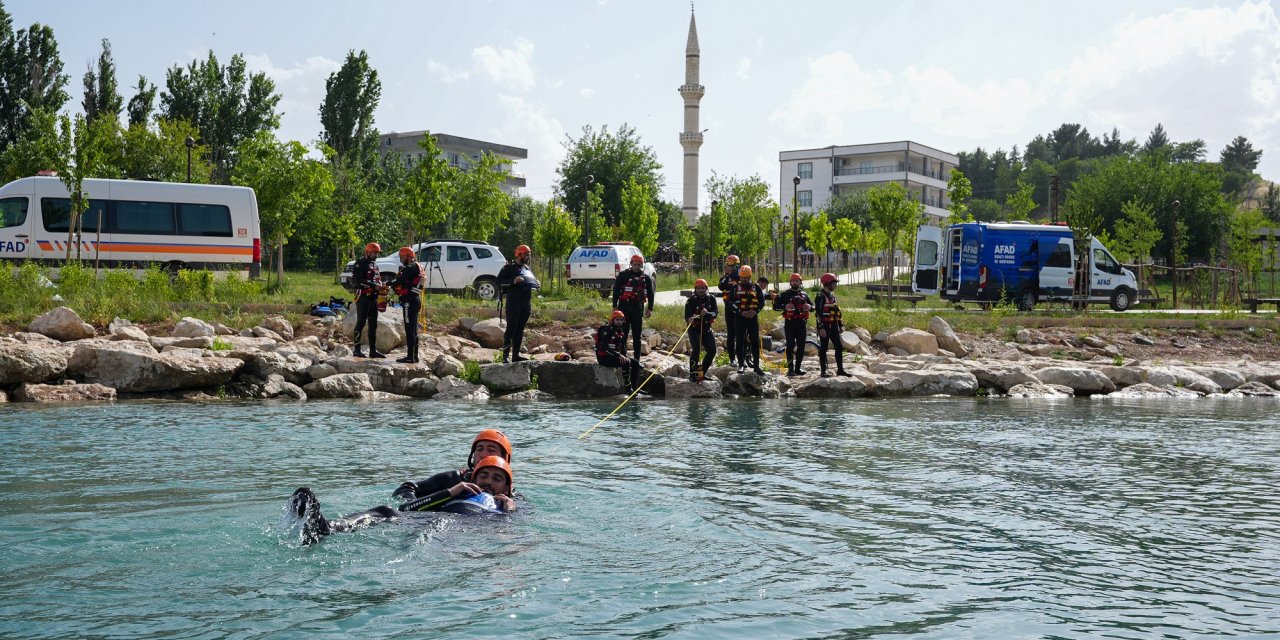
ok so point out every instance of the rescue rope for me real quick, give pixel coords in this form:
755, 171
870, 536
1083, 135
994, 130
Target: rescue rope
638, 388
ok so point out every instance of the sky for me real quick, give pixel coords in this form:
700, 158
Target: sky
778, 76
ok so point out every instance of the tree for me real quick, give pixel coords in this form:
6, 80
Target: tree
611, 159
1242, 242
816, 236
101, 92
160, 153
522, 217
1157, 140
480, 204
1271, 202
894, 214
1085, 222
1239, 160
850, 205
594, 228
555, 235
845, 237
351, 96
78, 158
961, 191
670, 220
639, 219
748, 213
143, 102
227, 104
1020, 202
1136, 234
39, 147
427, 194
685, 241
31, 76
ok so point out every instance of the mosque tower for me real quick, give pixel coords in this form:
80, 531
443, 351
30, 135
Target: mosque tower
691, 137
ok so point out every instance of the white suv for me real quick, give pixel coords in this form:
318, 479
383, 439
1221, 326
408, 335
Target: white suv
449, 266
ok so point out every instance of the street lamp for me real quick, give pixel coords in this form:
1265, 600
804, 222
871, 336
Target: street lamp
782, 231
711, 250
586, 211
795, 224
1173, 253
191, 142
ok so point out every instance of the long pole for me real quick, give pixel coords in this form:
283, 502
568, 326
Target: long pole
586, 210
1173, 253
795, 224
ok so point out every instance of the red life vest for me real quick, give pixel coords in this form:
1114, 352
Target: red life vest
409, 286
747, 299
800, 307
612, 338
635, 289
828, 310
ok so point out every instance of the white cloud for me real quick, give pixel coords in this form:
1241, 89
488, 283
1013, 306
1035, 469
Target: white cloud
445, 73
836, 88
301, 87
527, 124
586, 93
744, 69
512, 67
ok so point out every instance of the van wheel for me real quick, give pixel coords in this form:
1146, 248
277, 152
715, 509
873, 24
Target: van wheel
1026, 300
1121, 300
486, 288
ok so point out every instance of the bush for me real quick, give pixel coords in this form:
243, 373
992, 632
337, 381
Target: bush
470, 372
194, 286
76, 282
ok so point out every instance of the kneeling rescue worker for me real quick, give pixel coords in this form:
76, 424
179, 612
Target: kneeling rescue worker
611, 349
700, 313
794, 304
748, 298
368, 283
830, 325
408, 285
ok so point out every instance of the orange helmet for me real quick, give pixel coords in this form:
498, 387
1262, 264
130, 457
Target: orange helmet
492, 435
699, 283
744, 271
406, 252
522, 250
563, 357
373, 246
732, 259
796, 276
637, 258
497, 463
616, 314
828, 278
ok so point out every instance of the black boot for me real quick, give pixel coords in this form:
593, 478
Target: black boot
374, 353
415, 355
506, 355
825, 373
359, 352
408, 356
304, 506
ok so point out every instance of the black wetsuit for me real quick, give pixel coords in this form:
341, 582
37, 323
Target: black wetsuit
632, 291
611, 345
795, 324
367, 280
748, 299
728, 283
701, 337
830, 323
408, 285
519, 306
304, 506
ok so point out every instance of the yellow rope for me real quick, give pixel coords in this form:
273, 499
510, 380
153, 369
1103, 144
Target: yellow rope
638, 388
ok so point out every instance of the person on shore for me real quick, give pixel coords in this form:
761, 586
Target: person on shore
794, 304
611, 349
632, 292
700, 314
408, 285
489, 442
830, 325
728, 285
748, 300
763, 283
517, 283
367, 280
490, 490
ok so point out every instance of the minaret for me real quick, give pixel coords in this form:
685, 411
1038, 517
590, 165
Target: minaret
691, 137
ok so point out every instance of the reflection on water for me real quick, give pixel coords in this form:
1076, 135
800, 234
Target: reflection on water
704, 519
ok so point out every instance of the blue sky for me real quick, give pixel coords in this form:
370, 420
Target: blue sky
778, 75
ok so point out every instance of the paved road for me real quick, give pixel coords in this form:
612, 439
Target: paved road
872, 274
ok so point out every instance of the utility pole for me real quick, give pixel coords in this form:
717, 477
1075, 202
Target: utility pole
1173, 253
1055, 188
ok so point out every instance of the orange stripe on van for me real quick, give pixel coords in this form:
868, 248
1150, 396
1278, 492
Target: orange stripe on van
129, 247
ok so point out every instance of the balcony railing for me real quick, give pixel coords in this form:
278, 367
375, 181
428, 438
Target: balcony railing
890, 168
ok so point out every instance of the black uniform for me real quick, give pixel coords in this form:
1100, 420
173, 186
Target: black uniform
408, 285
701, 337
611, 345
304, 506
632, 291
367, 280
728, 283
519, 305
830, 324
748, 298
795, 324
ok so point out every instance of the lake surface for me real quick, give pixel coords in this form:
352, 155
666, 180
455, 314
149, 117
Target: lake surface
748, 519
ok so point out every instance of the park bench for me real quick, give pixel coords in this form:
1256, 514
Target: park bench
1254, 302
883, 288
913, 298
1149, 298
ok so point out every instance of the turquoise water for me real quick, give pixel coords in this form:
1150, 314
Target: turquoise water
931, 518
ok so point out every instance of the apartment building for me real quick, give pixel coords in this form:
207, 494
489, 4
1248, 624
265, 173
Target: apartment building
829, 171
459, 152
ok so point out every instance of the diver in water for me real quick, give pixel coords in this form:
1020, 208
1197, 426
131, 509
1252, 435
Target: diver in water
489, 442
490, 491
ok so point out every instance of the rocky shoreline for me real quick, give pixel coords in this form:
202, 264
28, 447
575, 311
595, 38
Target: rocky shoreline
62, 359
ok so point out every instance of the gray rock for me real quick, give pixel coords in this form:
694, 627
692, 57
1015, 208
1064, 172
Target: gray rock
4, 397
199, 342
1039, 350
682, 388
1124, 376
390, 330
1082, 380
340, 351
528, 394
446, 365
277, 387
863, 334
577, 379
837, 387
913, 341
135, 367
1181, 377
193, 328
223, 330
341, 385
898, 351
130, 333
421, 387
183, 351
1254, 390
850, 340
947, 338
385, 375
1095, 342
1266, 373
1143, 340
465, 323
263, 332
263, 364
278, 325
62, 323
31, 362
1039, 390
929, 382
1026, 336
1145, 390
750, 383
489, 332
451, 388
26, 337
63, 393
1002, 376
322, 370
880, 336
506, 378
1225, 378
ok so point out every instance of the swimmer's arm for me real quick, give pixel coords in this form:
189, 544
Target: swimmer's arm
506, 503
414, 490
435, 500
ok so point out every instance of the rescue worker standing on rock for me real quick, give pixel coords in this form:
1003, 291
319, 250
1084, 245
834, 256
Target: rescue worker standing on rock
794, 304
632, 293
518, 283
408, 285
729, 284
368, 284
611, 349
748, 298
830, 325
700, 314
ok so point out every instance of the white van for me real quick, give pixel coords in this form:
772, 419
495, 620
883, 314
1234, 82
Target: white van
597, 266
133, 224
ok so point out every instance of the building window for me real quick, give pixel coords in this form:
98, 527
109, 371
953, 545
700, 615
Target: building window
805, 198
865, 167
805, 170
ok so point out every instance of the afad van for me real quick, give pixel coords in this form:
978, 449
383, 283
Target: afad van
1016, 262
133, 224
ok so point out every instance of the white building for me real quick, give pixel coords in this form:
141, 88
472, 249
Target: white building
833, 170
459, 152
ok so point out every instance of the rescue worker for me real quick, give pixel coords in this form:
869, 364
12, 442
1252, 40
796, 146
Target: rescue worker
611, 349
408, 285
367, 280
794, 304
763, 283
700, 314
830, 325
489, 442
518, 283
632, 293
748, 300
728, 284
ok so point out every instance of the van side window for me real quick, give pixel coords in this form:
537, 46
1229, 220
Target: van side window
1061, 256
432, 254
483, 253
1105, 263
56, 214
458, 254
151, 218
13, 212
204, 220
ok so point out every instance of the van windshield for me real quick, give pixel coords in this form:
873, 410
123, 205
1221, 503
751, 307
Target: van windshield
13, 212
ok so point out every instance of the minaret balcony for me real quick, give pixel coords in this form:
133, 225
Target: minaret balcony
691, 137
692, 90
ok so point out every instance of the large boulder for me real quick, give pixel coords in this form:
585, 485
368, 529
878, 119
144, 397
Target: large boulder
1254, 390
451, 388
1225, 378
506, 378
263, 332
31, 362
62, 393
135, 367
342, 385
1082, 380
1002, 376
279, 326
390, 329
62, 323
947, 338
274, 386
489, 332
527, 395
193, 328
263, 364
1145, 390
949, 381
446, 365
913, 341
1124, 376
1040, 390
681, 388
322, 370
837, 387
121, 329
750, 383
385, 375
198, 342
1181, 377
577, 379
1266, 373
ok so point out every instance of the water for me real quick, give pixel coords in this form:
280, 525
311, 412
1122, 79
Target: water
943, 519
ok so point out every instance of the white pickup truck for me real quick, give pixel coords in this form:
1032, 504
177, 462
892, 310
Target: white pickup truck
597, 266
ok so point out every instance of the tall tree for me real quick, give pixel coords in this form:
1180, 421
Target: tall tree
747, 204
554, 235
1136, 234
639, 218
1157, 140
960, 190
80, 159
895, 216
849, 205
227, 103
816, 237
351, 96
428, 193
611, 159
38, 149
1020, 202
160, 152
480, 204
101, 92
1270, 205
845, 237
31, 76
143, 102
1240, 155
